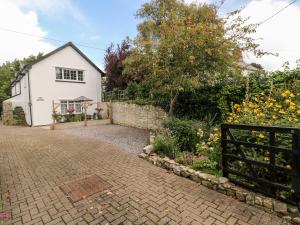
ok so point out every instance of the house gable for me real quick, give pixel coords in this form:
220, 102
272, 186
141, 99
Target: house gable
69, 44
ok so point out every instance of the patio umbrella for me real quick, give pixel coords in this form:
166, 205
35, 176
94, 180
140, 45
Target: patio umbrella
82, 99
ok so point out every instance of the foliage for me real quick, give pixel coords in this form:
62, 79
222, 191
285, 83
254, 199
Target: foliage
56, 116
185, 132
208, 150
166, 144
184, 158
204, 164
8, 71
283, 110
114, 65
182, 47
98, 113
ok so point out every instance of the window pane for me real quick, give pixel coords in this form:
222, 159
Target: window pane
77, 107
67, 74
80, 75
73, 75
58, 73
63, 108
71, 107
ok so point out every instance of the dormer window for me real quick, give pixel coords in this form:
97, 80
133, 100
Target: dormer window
72, 75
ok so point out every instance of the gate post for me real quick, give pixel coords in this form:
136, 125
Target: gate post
296, 164
224, 130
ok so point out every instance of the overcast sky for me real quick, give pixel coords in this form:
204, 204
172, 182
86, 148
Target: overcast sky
98, 23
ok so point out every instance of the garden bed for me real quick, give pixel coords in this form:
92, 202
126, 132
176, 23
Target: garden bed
60, 126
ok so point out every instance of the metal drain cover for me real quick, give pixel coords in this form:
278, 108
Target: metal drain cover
80, 189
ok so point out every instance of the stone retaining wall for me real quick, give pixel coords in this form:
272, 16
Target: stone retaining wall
7, 115
145, 117
222, 185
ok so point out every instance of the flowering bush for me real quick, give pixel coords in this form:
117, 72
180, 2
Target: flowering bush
208, 151
284, 110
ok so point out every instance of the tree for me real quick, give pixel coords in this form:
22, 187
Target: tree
114, 65
8, 71
182, 47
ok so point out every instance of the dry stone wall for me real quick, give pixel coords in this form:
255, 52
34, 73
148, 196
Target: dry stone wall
7, 116
145, 117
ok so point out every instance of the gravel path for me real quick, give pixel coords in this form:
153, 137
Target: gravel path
132, 140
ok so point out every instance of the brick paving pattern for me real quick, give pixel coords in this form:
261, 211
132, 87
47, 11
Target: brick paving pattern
34, 163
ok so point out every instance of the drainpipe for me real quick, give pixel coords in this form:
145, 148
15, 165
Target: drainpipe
30, 103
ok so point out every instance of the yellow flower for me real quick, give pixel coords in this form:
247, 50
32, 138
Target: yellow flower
292, 103
236, 106
298, 112
262, 136
256, 110
296, 120
286, 93
274, 117
292, 107
266, 158
287, 101
270, 105
282, 112
292, 95
279, 106
216, 129
290, 119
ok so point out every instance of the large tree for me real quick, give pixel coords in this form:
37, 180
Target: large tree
114, 65
182, 47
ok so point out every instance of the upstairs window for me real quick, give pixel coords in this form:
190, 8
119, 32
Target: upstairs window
73, 75
64, 74
80, 75
58, 73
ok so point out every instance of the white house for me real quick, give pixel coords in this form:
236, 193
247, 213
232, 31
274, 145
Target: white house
62, 75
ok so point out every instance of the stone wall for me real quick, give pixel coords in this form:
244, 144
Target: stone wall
7, 115
19, 116
145, 117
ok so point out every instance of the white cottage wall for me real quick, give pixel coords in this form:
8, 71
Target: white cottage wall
45, 87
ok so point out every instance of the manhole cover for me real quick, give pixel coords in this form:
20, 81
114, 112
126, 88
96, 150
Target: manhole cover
80, 189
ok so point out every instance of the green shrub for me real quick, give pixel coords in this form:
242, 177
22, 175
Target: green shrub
165, 144
184, 158
132, 90
206, 165
185, 132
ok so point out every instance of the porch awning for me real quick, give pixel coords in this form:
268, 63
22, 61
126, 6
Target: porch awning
82, 99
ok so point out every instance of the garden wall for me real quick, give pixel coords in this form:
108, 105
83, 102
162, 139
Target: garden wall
145, 117
7, 116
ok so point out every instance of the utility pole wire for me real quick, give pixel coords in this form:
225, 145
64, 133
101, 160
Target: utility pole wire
275, 14
49, 38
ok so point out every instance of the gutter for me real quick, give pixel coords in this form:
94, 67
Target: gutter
29, 96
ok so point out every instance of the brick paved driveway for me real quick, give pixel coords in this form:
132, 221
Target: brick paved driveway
35, 162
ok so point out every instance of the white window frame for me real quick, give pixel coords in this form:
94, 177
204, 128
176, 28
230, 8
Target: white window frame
76, 80
70, 103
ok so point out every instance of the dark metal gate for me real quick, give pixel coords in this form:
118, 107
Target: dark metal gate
277, 174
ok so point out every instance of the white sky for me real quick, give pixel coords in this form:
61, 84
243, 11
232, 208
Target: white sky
11, 45
279, 35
